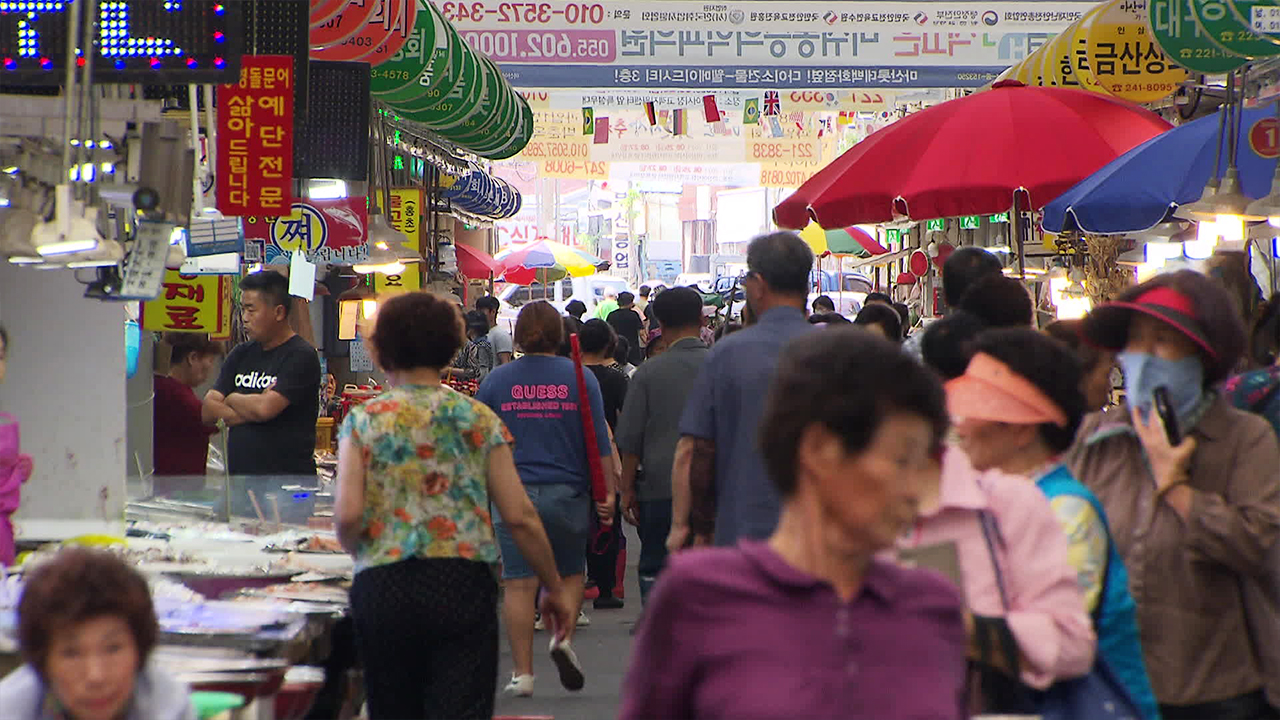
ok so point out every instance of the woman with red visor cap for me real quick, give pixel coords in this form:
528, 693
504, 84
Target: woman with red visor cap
1017, 408
1194, 509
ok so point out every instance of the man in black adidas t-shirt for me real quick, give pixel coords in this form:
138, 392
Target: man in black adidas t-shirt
268, 391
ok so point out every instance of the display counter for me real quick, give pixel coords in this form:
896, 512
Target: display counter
247, 586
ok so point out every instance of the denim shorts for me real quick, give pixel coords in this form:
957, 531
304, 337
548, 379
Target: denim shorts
565, 511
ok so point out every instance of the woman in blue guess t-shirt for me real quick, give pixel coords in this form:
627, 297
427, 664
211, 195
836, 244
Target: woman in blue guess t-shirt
537, 398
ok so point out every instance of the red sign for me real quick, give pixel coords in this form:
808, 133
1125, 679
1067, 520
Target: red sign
255, 138
389, 24
1264, 138
327, 231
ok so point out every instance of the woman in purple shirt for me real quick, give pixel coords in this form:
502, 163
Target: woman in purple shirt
811, 623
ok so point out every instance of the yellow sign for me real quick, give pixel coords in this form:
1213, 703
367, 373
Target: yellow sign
1060, 68
1079, 34
405, 215
408, 281
573, 169
190, 303
1125, 57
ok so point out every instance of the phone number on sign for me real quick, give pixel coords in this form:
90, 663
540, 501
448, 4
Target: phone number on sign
573, 14
534, 45
784, 178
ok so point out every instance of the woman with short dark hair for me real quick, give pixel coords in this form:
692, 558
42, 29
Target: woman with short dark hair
537, 397
1194, 515
813, 623
418, 467
478, 357
86, 628
1017, 408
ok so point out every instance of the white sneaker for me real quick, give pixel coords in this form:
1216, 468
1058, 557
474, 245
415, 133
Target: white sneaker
520, 686
583, 620
566, 661
538, 625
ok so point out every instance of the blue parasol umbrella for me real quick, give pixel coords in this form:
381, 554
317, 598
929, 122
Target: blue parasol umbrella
1137, 190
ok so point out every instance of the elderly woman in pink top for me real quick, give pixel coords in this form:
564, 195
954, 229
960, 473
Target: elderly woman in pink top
997, 537
811, 623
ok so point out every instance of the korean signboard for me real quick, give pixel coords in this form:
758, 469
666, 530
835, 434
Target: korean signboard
327, 231
190, 303
405, 215
683, 43
255, 139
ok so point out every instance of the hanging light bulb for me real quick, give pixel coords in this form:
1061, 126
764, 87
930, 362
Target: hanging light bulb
382, 259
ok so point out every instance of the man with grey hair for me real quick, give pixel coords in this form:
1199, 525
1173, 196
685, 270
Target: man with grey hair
719, 483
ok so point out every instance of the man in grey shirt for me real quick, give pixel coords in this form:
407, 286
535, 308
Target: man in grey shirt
500, 339
649, 428
719, 483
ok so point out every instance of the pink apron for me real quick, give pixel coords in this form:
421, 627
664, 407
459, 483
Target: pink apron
15, 468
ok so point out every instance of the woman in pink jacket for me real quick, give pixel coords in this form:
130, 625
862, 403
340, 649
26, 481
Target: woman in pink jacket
1027, 619
15, 467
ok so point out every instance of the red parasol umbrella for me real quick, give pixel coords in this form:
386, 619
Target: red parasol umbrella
970, 155
475, 263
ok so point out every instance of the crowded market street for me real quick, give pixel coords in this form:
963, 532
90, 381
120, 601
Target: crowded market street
639, 359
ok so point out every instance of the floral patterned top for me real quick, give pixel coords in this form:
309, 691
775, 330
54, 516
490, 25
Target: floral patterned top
426, 451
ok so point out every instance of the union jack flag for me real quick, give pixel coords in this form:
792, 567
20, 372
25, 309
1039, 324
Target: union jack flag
772, 102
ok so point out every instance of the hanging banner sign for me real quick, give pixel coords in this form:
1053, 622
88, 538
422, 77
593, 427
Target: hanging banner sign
738, 175
681, 43
326, 231
1175, 29
405, 214
255, 138
1124, 55
190, 303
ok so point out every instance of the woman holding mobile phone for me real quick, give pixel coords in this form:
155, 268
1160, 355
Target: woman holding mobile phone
1194, 520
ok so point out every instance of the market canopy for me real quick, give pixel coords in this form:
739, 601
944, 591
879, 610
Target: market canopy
1137, 190
970, 155
475, 263
546, 261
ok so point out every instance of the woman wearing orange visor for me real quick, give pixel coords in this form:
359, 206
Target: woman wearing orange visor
1016, 409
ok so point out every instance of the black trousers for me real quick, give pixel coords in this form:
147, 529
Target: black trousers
427, 635
602, 551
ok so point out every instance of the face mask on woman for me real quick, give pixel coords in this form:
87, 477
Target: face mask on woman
1143, 373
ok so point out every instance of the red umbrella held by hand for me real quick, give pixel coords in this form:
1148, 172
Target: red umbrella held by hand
969, 156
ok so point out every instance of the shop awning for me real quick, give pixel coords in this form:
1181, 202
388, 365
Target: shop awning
879, 260
475, 263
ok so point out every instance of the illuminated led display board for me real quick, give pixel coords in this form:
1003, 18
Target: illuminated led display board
135, 41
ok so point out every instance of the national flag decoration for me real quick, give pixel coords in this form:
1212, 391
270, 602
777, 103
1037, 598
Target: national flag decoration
602, 131
775, 126
844, 119
651, 113
710, 108
679, 125
664, 119
751, 111
588, 121
772, 102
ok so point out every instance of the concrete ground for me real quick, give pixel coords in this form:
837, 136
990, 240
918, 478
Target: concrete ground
604, 648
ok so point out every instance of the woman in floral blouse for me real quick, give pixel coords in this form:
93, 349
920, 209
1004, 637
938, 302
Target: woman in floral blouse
418, 467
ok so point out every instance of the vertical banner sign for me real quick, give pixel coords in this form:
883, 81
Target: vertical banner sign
405, 215
622, 254
189, 303
255, 139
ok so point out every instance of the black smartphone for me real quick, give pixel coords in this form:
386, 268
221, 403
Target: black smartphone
1165, 410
